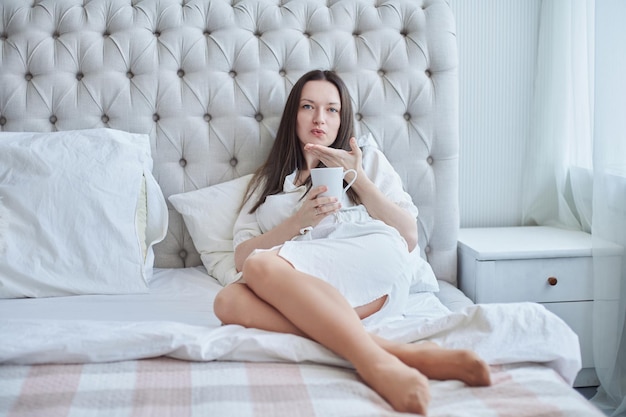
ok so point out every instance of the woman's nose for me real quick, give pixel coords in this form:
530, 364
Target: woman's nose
318, 117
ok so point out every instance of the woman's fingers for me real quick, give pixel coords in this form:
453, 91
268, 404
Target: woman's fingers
324, 209
317, 207
331, 157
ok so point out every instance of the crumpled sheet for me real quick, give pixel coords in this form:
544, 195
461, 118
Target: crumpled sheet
499, 333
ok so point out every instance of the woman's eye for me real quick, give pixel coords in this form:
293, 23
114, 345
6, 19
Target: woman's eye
333, 110
307, 106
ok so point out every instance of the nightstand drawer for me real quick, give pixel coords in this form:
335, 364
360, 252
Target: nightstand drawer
540, 280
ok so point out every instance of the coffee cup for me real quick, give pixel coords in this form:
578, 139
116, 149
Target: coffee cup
332, 178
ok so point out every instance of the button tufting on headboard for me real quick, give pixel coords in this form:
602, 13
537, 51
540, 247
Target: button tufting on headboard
207, 80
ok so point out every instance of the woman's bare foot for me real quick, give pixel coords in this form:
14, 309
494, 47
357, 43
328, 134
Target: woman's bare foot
403, 387
442, 364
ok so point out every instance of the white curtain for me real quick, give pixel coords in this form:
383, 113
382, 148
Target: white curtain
558, 158
609, 205
576, 161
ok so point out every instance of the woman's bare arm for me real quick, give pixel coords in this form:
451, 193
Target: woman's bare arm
277, 236
381, 208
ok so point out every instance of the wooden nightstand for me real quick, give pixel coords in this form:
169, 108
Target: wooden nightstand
540, 264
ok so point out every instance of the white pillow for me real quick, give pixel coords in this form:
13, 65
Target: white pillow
210, 214
424, 279
73, 202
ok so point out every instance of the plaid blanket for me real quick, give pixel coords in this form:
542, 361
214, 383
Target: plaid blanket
170, 387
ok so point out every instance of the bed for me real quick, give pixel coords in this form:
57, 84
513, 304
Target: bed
128, 130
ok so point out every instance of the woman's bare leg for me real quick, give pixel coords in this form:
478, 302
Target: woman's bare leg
237, 304
438, 363
319, 311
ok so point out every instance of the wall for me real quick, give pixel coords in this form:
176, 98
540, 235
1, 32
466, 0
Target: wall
497, 42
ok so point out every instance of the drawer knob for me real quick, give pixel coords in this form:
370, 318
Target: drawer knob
552, 281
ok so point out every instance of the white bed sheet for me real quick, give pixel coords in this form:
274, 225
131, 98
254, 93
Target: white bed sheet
175, 319
181, 294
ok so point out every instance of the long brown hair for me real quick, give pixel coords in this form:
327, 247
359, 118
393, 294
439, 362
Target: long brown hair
286, 154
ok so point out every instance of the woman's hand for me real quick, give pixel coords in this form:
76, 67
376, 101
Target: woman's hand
315, 208
332, 157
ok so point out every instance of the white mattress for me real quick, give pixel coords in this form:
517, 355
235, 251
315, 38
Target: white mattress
452, 297
180, 294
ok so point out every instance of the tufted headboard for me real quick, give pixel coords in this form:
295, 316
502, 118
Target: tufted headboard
207, 80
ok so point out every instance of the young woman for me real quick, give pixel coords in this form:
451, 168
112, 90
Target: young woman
317, 266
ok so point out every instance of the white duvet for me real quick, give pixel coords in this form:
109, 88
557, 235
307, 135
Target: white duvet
176, 320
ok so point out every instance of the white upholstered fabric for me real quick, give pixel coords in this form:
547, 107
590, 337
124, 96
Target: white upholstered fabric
207, 80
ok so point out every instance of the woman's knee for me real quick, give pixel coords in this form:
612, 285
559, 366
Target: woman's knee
225, 304
258, 267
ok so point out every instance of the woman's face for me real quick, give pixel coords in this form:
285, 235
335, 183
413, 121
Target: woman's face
319, 114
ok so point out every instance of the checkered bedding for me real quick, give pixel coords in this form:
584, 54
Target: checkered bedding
169, 387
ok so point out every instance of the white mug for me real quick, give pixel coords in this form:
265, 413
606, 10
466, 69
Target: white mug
332, 178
